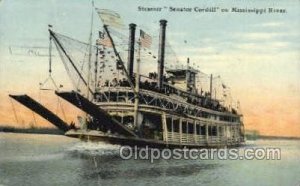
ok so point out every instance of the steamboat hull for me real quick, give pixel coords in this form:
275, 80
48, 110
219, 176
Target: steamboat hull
96, 136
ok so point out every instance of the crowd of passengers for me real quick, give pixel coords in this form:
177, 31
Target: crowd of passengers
202, 100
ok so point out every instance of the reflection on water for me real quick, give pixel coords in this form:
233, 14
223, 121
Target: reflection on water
58, 160
110, 168
104, 160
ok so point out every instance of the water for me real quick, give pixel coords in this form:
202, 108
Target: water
30, 159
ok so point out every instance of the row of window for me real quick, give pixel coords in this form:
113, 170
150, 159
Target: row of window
188, 127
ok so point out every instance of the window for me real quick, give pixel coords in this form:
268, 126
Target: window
122, 97
183, 127
209, 131
191, 128
113, 96
203, 130
214, 131
221, 131
175, 125
197, 129
169, 124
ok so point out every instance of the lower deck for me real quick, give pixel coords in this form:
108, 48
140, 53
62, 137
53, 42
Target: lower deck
197, 131
173, 129
178, 129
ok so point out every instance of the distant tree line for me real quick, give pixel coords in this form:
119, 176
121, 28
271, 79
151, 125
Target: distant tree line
33, 130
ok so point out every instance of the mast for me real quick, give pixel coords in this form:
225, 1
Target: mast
96, 68
50, 52
187, 75
90, 52
210, 86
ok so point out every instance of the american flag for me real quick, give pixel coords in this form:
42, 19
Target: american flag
145, 39
104, 40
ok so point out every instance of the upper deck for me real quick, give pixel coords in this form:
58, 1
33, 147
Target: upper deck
171, 100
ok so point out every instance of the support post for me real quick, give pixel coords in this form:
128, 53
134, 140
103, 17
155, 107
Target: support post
195, 132
206, 133
164, 127
180, 130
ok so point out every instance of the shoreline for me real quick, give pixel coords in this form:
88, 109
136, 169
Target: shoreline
52, 131
278, 137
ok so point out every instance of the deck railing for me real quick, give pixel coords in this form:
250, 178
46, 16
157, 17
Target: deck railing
184, 138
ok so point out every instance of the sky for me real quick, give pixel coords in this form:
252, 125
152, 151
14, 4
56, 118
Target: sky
257, 55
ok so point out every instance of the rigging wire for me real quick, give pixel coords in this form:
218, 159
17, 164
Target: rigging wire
59, 105
34, 119
14, 110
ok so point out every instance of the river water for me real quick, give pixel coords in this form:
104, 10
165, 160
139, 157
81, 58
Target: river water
30, 159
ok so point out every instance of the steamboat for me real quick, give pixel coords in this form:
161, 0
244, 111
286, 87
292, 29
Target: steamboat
164, 109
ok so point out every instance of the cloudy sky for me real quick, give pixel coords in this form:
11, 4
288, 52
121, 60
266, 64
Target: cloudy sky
257, 55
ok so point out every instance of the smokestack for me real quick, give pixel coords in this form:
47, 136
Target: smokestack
161, 53
131, 49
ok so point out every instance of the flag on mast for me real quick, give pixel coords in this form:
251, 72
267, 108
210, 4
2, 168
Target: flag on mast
109, 17
145, 39
104, 40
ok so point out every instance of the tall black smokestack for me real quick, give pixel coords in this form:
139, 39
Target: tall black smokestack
131, 49
161, 53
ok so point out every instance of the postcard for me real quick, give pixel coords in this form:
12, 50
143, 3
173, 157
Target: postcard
138, 92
